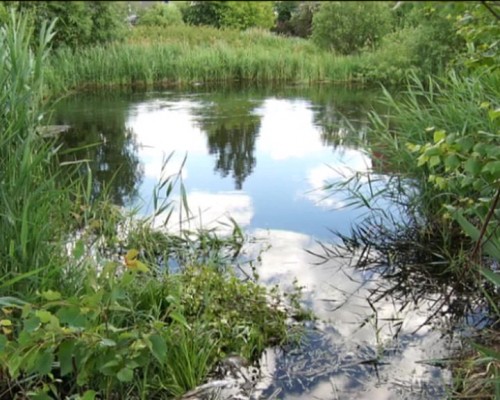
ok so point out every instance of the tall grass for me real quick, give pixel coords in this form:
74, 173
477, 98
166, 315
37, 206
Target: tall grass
33, 205
187, 54
451, 103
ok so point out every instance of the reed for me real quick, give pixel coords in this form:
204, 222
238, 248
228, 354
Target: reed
32, 202
184, 55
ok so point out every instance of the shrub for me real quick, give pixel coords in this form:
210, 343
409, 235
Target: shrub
161, 14
78, 22
231, 14
205, 13
346, 27
248, 14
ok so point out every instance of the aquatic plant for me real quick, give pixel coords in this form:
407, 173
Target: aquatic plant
34, 205
186, 55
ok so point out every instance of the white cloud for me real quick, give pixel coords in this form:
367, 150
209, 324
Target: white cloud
287, 130
328, 286
162, 129
345, 166
209, 210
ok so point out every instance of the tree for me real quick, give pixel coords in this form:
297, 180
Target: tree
79, 23
161, 14
248, 14
231, 14
346, 27
205, 13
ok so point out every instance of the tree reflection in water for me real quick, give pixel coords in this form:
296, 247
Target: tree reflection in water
99, 134
231, 125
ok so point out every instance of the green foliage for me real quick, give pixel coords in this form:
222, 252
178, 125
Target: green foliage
465, 133
347, 27
79, 23
302, 21
161, 14
125, 328
98, 326
284, 11
248, 14
183, 54
231, 14
33, 202
294, 18
107, 21
480, 29
205, 13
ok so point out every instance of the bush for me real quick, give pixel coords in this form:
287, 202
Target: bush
284, 11
231, 14
79, 23
346, 27
295, 18
302, 20
248, 14
205, 13
161, 14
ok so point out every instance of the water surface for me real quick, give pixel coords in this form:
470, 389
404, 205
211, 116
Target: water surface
262, 157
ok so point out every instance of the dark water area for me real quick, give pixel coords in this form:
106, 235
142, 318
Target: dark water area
262, 157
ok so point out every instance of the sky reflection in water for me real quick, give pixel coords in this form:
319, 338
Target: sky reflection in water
262, 159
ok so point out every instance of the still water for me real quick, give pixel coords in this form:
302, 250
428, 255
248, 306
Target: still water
262, 157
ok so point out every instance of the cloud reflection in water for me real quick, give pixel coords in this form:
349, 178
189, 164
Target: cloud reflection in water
345, 341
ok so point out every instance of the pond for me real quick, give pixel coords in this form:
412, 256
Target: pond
261, 157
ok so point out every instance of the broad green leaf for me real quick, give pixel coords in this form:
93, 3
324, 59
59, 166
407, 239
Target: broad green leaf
43, 315
472, 166
493, 151
422, 160
451, 162
125, 374
439, 135
65, 355
434, 161
432, 151
494, 114
51, 295
131, 254
493, 167
481, 149
40, 396
88, 395
110, 367
72, 316
142, 267
43, 362
158, 348
31, 324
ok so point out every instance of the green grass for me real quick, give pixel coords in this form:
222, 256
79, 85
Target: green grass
183, 55
33, 205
